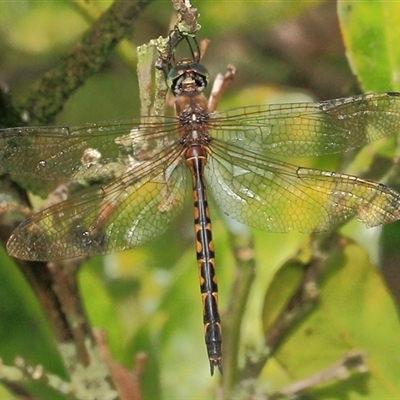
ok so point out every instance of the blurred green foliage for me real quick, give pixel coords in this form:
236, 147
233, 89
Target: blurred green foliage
147, 299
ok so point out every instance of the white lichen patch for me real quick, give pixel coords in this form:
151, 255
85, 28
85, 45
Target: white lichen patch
91, 382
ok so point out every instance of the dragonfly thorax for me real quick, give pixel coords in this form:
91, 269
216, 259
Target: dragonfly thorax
187, 81
192, 111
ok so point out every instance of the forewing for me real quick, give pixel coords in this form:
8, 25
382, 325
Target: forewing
98, 152
310, 129
126, 213
279, 197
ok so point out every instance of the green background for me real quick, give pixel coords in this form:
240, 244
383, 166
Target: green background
147, 299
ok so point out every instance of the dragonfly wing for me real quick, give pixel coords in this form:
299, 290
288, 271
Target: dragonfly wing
97, 151
126, 213
310, 129
279, 197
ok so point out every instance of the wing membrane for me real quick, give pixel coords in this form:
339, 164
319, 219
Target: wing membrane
126, 213
310, 129
279, 197
92, 151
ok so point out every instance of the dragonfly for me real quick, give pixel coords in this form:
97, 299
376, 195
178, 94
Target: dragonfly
129, 177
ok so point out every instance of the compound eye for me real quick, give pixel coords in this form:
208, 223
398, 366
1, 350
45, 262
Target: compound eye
187, 70
201, 70
175, 74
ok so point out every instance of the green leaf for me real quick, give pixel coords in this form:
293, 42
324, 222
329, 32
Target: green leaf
21, 320
284, 284
101, 307
371, 34
355, 312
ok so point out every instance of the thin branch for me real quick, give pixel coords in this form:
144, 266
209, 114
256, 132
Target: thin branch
242, 245
88, 383
340, 370
186, 25
127, 382
221, 84
87, 58
187, 16
303, 300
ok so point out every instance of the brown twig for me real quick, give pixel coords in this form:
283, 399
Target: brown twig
220, 85
127, 382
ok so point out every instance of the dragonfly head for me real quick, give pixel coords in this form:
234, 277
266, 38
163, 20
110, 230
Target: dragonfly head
187, 76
